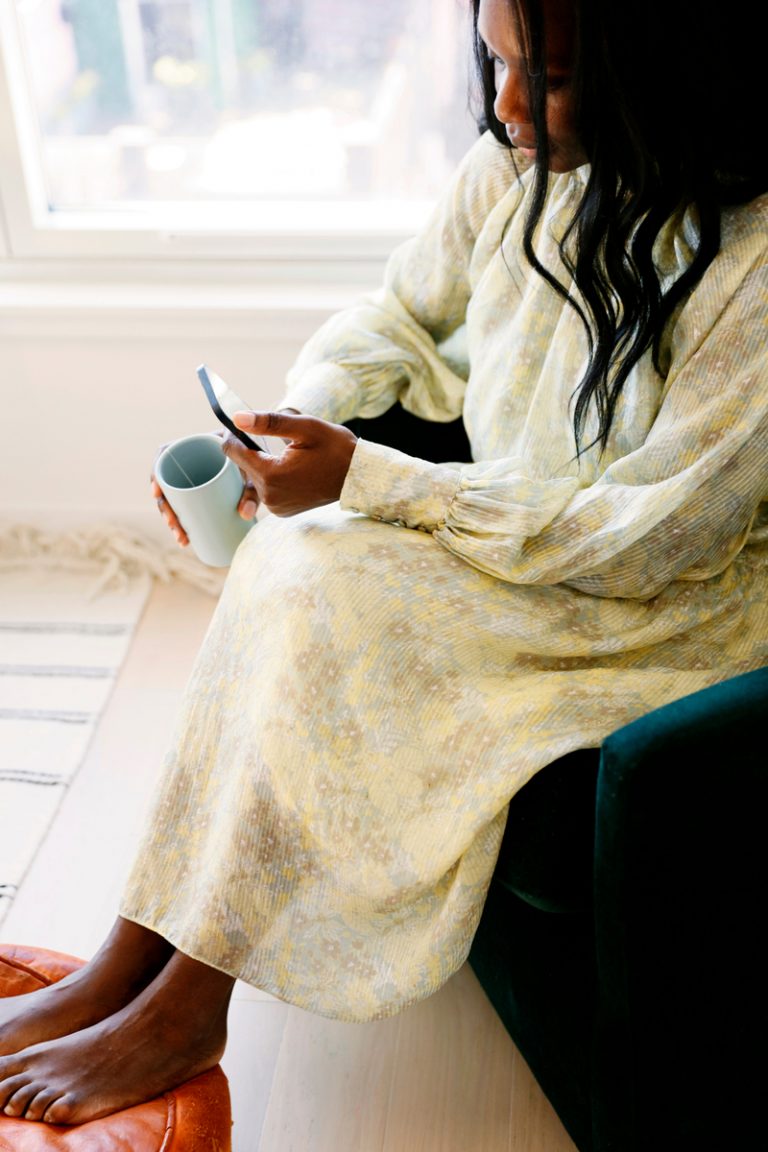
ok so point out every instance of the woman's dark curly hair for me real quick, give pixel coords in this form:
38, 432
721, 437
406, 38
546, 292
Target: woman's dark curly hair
671, 110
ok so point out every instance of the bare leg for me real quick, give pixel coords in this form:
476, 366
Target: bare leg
173, 1030
128, 960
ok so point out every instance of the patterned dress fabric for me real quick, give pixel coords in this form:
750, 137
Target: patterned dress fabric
383, 674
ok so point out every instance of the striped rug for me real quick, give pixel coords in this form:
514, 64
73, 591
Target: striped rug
61, 647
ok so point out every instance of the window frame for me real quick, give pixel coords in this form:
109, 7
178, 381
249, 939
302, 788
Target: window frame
345, 242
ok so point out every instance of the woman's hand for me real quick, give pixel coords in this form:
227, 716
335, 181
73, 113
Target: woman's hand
247, 507
310, 472
167, 512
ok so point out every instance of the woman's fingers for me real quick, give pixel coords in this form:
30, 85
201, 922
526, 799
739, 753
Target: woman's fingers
287, 423
249, 501
309, 473
168, 514
164, 507
248, 460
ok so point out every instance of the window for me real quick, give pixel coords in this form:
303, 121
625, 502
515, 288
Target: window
312, 128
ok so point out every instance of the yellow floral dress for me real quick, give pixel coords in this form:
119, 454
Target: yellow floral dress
382, 675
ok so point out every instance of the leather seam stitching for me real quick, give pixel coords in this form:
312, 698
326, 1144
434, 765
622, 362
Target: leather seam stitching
26, 969
170, 1122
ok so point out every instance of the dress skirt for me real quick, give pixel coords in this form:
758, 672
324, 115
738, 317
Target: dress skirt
362, 709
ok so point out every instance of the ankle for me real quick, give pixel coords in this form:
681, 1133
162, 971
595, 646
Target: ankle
132, 955
192, 995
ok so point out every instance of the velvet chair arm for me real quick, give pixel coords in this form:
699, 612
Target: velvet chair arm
681, 873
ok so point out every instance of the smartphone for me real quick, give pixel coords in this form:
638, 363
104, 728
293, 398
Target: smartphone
225, 403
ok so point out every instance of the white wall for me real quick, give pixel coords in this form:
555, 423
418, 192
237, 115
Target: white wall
93, 380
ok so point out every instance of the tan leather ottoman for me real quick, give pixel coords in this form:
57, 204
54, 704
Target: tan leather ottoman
196, 1117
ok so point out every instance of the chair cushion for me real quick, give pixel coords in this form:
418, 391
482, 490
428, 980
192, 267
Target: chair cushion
195, 1117
547, 851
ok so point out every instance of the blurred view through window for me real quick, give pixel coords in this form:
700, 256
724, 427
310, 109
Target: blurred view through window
200, 100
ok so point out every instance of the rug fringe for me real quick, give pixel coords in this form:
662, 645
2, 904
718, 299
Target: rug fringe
115, 554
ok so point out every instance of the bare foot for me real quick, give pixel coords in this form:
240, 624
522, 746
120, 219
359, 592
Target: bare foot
173, 1031
126, 963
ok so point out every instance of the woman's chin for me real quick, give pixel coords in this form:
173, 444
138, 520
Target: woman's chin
566, 160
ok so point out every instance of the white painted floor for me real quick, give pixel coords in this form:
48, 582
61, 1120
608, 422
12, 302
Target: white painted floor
443, 1076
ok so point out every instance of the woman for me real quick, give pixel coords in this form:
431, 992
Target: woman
380, 678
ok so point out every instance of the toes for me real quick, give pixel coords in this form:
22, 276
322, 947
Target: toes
11, 1078
16, 1105
21, 1100
54, 1111
45, 1098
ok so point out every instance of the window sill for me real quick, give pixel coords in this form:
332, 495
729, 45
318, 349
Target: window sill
281, 310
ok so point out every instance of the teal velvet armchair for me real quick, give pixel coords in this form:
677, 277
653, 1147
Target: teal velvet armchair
629, 963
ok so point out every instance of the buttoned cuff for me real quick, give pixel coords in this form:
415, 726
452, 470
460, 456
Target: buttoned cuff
388, 485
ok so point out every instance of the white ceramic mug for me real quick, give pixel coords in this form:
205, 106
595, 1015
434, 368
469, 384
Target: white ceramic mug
204, 488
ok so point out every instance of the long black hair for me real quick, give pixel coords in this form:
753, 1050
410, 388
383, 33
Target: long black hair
670, 109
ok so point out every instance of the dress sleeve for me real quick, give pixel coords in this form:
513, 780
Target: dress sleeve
387, 347
679, 507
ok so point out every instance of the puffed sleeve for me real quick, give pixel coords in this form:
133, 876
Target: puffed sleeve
387, 347
679, 507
